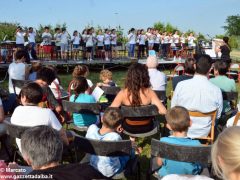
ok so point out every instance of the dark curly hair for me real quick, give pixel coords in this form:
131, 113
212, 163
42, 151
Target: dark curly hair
137, 80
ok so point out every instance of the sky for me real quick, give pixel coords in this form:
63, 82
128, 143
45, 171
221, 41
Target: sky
205, 16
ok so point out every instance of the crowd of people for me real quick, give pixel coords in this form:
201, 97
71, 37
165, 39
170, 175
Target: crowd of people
41, 108
103, 43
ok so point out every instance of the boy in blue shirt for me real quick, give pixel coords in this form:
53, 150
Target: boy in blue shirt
111, 127
178, 121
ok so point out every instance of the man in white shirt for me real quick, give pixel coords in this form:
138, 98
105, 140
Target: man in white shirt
20, 38
199, 94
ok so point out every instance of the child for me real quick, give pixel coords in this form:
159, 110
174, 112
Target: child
47, 37
82, 70
114, 43
80, 85
106, 78
84, 40
89, 44
132, 41
64, 43
100, 38
30, 114
178, 121
76, 41
141, 47
107, 46
20, 38
57, 38
111, 127
36, 66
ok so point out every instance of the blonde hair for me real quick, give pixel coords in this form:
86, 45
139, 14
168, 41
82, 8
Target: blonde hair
152, 62
105, 74
225, 152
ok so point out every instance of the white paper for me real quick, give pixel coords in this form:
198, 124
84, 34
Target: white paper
97, 93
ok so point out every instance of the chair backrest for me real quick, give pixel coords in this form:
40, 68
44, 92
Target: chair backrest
178, 69
102, 148
19, 84
234, 66
230, 96
139, 111
15, 131
113, 90
84, 108
197, 154
213, 115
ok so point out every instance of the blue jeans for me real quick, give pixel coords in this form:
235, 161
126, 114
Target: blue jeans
131, 50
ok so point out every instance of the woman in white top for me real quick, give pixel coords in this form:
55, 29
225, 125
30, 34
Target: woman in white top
114, 43
89, 44
150, 36
191, 40
84, 40
20, 37
18, 70
76, 42
100, 38
157, 41
107, 46
142, 38
132, 42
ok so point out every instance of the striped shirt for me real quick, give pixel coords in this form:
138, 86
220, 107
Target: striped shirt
198, 94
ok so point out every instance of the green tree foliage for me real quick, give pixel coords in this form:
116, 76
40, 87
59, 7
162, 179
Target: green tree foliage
232, 25
165, 27
8, 29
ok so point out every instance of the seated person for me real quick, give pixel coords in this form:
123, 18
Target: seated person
18, 69
36, 66
42, 149
45, 76
82, 70
80, 85
158, 79
9, 101
225, 154
106, 78
110, 130
223, 82
189, 71
178, 121
138, 92
30, 114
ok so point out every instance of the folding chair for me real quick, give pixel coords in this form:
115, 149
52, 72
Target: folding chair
213, 114
178, 70
15, 131
135, 118
234, 71
83, 108
19, 84
235, 122
109, 148
191, 154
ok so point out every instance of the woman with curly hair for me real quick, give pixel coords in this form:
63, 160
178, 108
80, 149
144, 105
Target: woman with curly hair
138, 92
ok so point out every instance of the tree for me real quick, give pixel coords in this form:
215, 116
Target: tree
159, 26
233, 25
8, 30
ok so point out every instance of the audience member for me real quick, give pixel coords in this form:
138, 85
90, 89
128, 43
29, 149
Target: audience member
225, 154
199, 94
82, 70
42, 149
110, 130
106, 78
158, 79
18, 70
138, 92
36, 66
223, 82
189, 71
2, 128
30, 114
178, 121
31, 53
80, 85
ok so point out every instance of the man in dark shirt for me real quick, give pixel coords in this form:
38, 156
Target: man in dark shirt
42, 150
189, 71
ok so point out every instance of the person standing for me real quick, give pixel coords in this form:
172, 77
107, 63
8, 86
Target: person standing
20, 37
46, 43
